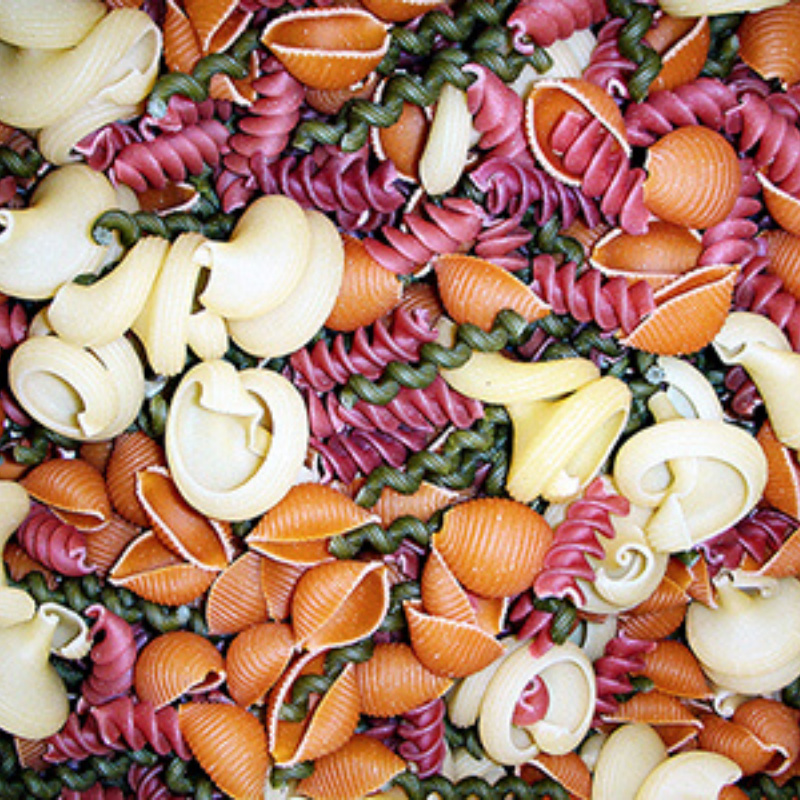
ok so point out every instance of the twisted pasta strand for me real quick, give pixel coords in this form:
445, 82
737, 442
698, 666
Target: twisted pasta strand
422, 735
113, 656
543, 22
621, 657
55, 544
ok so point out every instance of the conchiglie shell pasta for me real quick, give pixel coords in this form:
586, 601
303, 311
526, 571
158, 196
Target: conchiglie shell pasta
255, 660
105, 546
263, 262
442, 595
748, 643
84, 394
766, 43
73, 489
32, 272
673, 668
775, 723
394, 681
235, 441
626, 758
174, 664
278, 582
339, 603
495, 547
288, 326
103, 311
360, 767
683, 46
692, 776
231, 746
674, 467
734, 741
236, 600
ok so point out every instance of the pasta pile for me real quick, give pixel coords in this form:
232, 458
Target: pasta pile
399, 399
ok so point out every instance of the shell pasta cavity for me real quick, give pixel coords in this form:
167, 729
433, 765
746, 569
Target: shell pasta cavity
399, 399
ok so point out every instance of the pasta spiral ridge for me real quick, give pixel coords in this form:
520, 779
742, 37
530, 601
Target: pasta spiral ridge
148, 782
608, 68
622, 657
121, 724
763, 293
361, 198
576, 539
425, 231
510, 787
55, 544
744, 400
639, 18
589, 297
131, 227
758, 536
371, 349
387, 541
113, 656
544, 22
422, 735
13, 324
21, 165
171, 157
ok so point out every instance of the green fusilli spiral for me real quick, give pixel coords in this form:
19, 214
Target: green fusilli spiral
509, 788
384, 540
632, 45
21, 165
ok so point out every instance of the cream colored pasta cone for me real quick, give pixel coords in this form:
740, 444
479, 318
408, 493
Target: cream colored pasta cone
626, 758
696, 775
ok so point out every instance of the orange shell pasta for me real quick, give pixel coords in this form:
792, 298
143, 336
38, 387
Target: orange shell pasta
278, 582
776, 725
422, 504
768, 42
368, 289
569, 770
442, 595
236, 600
362, 766
231, 746
339, 603
674, 669
741, 745
132, 452
96, 453
474, 291
74, 490
783, 477
495, 547
177, 663
393, 681
105, 546
255, 660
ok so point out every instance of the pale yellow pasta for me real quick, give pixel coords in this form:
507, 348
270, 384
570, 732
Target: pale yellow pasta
34, 272
162, 325
627, 757
688, 390
33, 698
709, 8
560, 445
71, 637
104, 310
696, 775
594, 635
235, 441
290, 325
699, 476
257, 269
16, 605
760, 346
446, 150
207, 334
495, 378
88, 394
117, 60
749, 642
48, 24
459, 764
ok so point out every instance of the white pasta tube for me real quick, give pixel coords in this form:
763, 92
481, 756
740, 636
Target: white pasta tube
84, 394
256, 270
446, 150
560, 446
569, 680
760, 346
749, 643
495, 378
699, 476
696, 775
48, 24
235, 441
626, 759
103, 311
33, 271
288, 326
118, 59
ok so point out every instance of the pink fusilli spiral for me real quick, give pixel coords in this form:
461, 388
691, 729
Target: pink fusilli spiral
398, 338
423, 742
733, 241
96, 792
171, 156
113, 656
543, 22
101, 147
762, 293
532, 704
759, 535
530, 622
121, 724
346, 456
501, 243
426, 410
149, 783
612, 304
55, 544
590, 152
328, 179
607, 67
621, 658
705, 101
576, 539
13, 324
428, 230
745, 400
498, 115
181, 113
9, 186
516, 187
